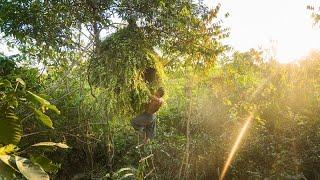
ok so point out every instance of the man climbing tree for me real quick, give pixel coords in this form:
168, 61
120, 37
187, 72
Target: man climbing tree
145, 123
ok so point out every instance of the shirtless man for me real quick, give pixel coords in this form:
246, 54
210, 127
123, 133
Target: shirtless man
145, 122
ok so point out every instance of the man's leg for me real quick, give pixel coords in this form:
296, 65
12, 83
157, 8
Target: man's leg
139, 124
151, 128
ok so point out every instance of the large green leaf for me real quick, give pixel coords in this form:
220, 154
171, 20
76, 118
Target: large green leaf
45, 163
37, 99
43, 118
30, 170
10, 129
60, 145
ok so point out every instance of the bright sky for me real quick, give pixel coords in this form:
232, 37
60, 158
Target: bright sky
285, 24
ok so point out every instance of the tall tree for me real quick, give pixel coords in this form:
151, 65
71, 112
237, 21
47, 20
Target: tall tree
54, 31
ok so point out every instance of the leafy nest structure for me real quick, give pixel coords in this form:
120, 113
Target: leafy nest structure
128, 68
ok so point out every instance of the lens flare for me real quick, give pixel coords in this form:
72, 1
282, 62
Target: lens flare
236, 146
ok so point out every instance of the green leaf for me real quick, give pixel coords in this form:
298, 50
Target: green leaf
10, 129
53, 108
43, 118
45, 163
30, 170
37, 99
21, 82
60, 145
8, 149
6, 172
9, 160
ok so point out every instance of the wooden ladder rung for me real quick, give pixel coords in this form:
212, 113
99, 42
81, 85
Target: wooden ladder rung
145, 158
149, 173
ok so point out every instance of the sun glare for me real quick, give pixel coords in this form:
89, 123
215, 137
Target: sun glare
285, 25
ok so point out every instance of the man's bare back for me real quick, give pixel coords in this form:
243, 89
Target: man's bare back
154, 105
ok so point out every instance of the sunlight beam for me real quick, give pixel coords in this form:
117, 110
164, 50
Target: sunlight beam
236, 146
